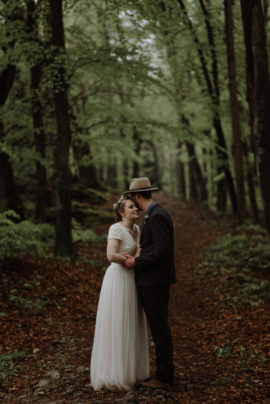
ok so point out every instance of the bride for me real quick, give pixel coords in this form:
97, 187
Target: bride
120, 355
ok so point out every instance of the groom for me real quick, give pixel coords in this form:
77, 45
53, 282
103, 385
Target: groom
154, 272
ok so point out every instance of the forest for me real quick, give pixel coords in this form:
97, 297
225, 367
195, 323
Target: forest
95, 93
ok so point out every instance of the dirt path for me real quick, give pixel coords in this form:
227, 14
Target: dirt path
202, 323
59, 339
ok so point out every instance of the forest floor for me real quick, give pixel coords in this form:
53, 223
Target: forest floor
47, 315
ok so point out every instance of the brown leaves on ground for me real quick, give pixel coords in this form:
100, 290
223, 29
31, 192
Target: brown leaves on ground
48, 311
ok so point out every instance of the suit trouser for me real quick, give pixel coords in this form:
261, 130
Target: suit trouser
155, 303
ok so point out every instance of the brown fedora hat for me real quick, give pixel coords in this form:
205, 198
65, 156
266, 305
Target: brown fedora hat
140, 185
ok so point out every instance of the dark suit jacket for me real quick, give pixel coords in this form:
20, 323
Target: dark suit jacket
155, 266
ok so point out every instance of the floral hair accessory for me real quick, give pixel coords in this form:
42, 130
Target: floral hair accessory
117, 204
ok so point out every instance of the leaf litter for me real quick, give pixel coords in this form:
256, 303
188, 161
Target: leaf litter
48, 309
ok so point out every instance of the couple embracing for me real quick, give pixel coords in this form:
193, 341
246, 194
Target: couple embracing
135, 288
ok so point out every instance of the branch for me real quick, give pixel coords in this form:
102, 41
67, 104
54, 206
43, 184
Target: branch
211, 40
199, 50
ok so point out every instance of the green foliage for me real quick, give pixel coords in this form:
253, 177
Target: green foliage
28, 304
7, 365
225, 351
89, 216
137, 93
25, 237
82, 235
241, 261
91, 196
250, 358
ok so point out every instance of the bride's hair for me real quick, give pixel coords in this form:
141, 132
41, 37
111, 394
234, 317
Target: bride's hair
119, 206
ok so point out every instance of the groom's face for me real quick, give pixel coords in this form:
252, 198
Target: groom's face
137, 199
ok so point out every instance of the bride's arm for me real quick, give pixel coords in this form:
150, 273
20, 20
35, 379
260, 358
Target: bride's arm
112, 251
138, 251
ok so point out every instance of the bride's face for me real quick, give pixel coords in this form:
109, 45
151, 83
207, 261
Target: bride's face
130, 211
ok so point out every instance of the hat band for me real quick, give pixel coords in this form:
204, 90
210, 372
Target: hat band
142, 189
136, 189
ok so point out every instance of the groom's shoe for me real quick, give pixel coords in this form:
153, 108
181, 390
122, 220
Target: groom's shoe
156, 384
139, 384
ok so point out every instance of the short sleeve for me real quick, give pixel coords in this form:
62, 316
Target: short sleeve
115, 231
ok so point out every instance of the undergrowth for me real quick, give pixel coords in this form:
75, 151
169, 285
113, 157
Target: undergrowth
8, 364
242, 262
18, 238
82, 235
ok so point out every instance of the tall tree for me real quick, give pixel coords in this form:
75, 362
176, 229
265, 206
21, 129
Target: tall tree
197, 182
37, 110
259, 92
213, 92
63, 242
237, 136
7, 77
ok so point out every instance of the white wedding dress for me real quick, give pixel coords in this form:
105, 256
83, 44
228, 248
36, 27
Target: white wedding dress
120, 355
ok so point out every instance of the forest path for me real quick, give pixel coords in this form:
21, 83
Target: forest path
214, 343
60, 337
191, 306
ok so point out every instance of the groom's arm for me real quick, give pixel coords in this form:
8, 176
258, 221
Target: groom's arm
160, 228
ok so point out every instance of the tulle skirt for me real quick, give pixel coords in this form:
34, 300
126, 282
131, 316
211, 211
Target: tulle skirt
120, 355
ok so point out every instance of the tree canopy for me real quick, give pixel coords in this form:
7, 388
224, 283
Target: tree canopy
95, 93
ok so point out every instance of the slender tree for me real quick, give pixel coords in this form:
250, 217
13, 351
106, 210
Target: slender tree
37, 111
259, 92
63, 242
237, 136
7, 78
213, 92
197, 182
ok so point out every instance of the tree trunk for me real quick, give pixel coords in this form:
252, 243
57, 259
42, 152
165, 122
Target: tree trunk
9, 185
37, 117
265, 10
238, 152
126, 174
40, 145
251, 175
213, 92
182, 178
258, 80
63, 242
111, 180
157, 174
88, 174
14, 202
137, 143
192, 182
197, 183
89, 177
198, 187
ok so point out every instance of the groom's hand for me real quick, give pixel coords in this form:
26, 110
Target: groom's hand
130, 262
